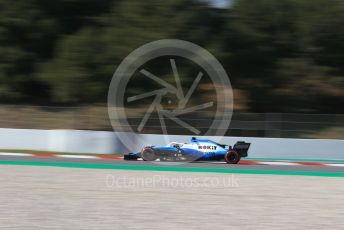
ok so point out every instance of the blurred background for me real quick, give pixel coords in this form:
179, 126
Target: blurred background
285, 60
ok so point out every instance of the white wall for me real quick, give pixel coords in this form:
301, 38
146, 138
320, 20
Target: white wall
78, 141
81, 141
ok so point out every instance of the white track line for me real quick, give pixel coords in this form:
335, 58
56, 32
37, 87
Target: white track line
336, 165
16, 154
78, 156
213, 162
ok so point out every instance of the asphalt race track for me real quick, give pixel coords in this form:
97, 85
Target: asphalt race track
275, 166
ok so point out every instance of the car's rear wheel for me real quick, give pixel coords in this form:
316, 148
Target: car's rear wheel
232, 157
148, 154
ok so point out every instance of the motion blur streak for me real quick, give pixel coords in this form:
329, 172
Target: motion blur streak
55, 198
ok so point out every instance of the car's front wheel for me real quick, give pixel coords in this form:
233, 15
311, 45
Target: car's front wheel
232, 157
148, 154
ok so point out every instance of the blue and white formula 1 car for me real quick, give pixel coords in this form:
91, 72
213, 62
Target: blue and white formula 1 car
197, 149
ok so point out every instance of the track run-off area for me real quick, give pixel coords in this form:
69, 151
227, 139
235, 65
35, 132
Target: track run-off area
301, 167
69, 191
35, 197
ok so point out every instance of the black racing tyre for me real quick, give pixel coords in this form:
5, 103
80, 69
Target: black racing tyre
148, 154
232, 157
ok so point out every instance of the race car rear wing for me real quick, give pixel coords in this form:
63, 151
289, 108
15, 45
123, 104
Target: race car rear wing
242, 147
